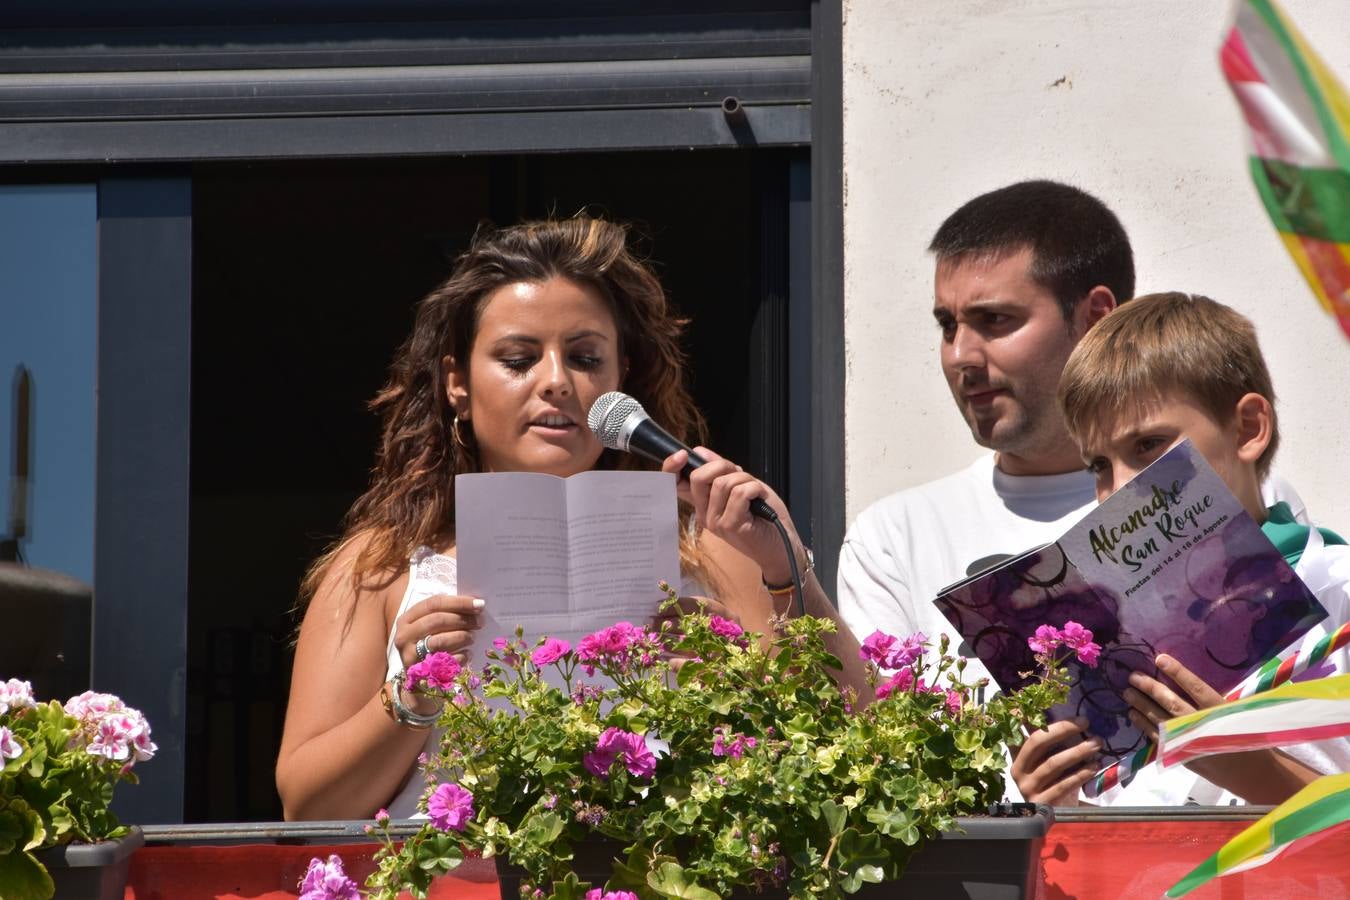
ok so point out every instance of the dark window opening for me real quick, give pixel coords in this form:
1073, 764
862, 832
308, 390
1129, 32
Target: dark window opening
305, 276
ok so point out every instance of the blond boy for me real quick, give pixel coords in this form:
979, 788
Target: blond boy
1160, 369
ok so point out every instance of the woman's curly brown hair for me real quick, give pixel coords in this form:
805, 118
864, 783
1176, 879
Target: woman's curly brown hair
411, 498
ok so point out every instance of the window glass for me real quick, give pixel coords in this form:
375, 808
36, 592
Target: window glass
48, 329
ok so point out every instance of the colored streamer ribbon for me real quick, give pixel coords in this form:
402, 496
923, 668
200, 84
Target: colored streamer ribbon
1294, 713
1298, 118
1273, 673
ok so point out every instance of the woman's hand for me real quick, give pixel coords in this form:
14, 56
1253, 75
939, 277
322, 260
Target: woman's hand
447, 623
720, 492
1055, 761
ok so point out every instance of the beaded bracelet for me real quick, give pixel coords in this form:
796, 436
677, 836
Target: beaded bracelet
782, 590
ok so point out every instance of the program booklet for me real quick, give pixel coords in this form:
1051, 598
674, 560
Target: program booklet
564, 557
1169, 563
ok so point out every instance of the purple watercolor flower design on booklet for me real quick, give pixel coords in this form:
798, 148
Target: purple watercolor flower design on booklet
1169, 563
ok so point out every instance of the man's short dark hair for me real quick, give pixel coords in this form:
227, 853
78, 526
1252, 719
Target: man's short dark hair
1076, 242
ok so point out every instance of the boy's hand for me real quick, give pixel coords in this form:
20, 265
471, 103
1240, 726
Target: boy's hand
1153, 702
1055, 762
1257, 776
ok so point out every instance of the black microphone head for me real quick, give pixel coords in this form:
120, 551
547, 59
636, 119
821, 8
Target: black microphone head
611, 418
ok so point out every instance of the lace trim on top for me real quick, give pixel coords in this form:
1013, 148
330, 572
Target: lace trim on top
429, 573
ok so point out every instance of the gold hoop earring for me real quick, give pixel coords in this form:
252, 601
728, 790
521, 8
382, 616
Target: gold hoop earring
460, 444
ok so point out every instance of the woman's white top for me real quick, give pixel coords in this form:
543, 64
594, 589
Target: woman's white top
429, 574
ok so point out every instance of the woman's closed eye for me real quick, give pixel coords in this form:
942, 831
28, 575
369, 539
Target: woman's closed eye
585, 362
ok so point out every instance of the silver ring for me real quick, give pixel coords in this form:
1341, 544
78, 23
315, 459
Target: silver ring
421, 648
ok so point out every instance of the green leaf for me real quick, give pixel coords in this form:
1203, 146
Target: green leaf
940, 745
543, 829
688, 672
570, 888
968, 740
896, 823
670, 880
853, 881
22, 877
632, 874
860, 858
439, 853
835, 816
801, 725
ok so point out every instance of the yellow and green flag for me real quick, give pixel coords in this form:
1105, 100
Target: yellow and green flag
1318, 811
1299, 121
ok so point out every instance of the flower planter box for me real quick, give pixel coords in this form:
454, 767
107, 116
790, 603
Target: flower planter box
92, 871
992, 858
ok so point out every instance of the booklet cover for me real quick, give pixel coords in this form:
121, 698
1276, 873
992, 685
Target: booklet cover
564, 557
1169, 563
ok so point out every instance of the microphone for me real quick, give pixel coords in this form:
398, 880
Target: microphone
621, 423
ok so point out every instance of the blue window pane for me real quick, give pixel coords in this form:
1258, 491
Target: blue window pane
48, 326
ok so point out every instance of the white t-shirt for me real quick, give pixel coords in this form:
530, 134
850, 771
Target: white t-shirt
904, 549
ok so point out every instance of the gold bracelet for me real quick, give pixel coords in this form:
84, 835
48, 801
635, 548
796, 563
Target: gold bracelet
387, 702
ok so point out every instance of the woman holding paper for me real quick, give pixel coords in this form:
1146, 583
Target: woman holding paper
503, 363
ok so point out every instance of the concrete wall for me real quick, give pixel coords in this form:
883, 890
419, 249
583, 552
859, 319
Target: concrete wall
945, 100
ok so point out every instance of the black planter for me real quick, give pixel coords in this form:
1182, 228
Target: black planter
92, 871
993, 858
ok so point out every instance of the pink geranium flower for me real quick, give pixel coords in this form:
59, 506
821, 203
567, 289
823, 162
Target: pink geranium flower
901, 681
904, 680
624, 746
1045, 640
735, 747
327, 881
16, 694
725, 627
438, 671
620, 646
552, 650
9, 748
122, 735
450, 807
91, 706
597, 894
889, 652
1073, 635
506, 649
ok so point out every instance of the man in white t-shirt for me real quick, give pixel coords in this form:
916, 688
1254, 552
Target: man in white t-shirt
1022, 273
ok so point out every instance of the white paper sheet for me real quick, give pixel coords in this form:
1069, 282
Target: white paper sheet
565, 557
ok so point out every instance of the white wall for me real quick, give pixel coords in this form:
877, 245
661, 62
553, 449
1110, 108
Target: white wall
945, 99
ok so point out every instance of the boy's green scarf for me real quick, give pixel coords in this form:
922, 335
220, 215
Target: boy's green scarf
1289, 536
